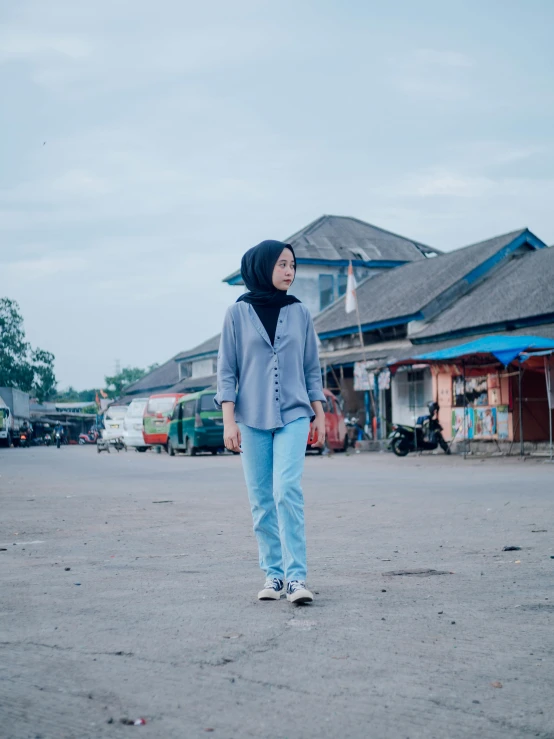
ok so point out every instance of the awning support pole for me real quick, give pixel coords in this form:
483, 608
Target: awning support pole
548, 399
520, 401
465, 409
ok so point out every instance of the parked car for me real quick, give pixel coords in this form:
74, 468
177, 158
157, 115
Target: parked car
113, 422
157, 415
335, 427
133, 425
196, 425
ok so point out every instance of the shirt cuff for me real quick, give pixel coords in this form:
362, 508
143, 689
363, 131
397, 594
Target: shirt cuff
227, 396
316, 395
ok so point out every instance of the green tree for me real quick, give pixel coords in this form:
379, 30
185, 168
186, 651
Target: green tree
116, 384
21, 366
70, 395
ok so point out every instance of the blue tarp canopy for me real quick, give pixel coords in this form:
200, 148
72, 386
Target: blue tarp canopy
504, 348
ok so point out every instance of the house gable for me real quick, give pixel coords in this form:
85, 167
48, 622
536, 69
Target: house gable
421, 290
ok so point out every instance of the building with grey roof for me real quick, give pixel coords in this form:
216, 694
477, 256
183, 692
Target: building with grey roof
518, 295
422, 289
424, 301
325, 247
186, 372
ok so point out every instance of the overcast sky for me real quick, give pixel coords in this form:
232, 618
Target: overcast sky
146, 145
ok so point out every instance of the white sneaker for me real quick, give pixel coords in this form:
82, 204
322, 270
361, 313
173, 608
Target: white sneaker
297, 592
273, 589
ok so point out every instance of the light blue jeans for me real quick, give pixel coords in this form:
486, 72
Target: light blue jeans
273, 462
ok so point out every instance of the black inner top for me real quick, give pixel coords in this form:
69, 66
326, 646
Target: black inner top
268, 315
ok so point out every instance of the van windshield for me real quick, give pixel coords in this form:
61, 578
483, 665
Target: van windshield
160, 405
136, 409
207, 402
117, 411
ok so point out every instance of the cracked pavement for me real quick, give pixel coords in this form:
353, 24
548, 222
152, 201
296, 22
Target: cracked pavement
157, 616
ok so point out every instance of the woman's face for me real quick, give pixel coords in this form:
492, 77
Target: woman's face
284, 271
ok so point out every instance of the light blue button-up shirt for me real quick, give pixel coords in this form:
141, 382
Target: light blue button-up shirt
270, 385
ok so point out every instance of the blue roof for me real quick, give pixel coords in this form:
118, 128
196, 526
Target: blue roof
504, 348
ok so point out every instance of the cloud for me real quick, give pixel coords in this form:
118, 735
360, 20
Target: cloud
433, 57
21, 43
441, 76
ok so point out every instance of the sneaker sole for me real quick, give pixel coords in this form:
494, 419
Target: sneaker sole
300, 599
270, 596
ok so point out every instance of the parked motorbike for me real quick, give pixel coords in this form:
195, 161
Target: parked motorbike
47, 439
355, 431
426, 435
89, 438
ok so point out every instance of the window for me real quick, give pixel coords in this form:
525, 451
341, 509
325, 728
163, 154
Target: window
160, 405
189, 409
185, 370
207, 402
116, 412
416, 389
342, 281
326, 290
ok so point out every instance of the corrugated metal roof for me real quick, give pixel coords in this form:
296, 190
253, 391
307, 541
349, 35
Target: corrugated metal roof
521, 289
207, 347
161, 378
407, 290
340, 238
194, 384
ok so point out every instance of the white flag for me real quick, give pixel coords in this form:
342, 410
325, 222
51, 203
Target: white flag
350, 303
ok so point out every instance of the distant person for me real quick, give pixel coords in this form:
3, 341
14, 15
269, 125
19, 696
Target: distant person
269, 350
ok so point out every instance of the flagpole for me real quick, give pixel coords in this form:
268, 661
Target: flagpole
361, 334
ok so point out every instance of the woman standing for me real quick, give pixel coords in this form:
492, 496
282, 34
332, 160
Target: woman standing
269, 387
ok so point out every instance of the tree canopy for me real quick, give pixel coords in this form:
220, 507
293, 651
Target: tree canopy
116, 384
21, 366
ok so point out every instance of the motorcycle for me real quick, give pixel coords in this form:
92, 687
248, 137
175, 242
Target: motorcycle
89, 438
355, 431
47, 439
58, 437
24, 439
426, 435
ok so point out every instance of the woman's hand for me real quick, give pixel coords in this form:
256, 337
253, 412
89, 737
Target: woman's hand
231, 437
318, 428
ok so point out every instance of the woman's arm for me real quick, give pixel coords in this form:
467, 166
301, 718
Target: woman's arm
314, 386
231, 432
227, 365
318, 425
227, 377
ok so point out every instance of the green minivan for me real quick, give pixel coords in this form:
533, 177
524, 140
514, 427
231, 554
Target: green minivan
196, 425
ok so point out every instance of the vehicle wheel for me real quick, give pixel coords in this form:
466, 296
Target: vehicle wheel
400, 447
15, 443
170, 449
141, 449
190, 450
214, 452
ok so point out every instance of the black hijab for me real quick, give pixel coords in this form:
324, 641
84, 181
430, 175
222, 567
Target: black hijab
257, 267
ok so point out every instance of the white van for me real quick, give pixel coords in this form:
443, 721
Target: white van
132, 425
113, 422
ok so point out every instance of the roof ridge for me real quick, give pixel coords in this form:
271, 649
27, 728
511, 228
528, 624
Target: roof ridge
513, 234
308, 228
391, 233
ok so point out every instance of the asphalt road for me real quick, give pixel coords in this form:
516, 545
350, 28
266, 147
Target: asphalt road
128, 584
